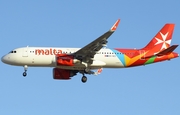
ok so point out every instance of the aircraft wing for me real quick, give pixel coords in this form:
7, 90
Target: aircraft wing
86, 53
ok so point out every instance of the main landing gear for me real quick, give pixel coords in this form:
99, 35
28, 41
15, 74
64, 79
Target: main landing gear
84, 78
25, 69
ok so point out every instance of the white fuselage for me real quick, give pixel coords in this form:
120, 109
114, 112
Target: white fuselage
46, 57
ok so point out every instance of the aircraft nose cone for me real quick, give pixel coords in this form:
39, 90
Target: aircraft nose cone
7, 59
4, 59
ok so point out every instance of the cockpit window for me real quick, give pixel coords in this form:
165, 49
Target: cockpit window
12, 52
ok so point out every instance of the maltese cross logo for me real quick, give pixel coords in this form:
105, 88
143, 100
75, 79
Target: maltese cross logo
165, 43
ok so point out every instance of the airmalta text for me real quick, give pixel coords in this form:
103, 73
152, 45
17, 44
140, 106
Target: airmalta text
47, 51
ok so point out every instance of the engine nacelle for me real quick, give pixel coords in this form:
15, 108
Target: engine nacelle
66, 60
63, 74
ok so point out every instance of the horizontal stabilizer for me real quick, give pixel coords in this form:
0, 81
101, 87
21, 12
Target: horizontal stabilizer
167, 51
164, 52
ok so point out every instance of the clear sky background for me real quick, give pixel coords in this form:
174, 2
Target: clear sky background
147, 90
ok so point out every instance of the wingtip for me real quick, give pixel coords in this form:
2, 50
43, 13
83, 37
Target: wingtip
114, 27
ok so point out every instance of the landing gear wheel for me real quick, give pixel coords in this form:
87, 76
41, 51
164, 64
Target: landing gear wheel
24, 74
84, 79
25, 69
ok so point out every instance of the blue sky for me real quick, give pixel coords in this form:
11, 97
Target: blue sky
147, 90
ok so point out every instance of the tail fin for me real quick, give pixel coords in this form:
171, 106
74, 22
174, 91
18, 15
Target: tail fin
162, 40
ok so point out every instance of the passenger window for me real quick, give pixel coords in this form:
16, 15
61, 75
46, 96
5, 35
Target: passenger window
14, 51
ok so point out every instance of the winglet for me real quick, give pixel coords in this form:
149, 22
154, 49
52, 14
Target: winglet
98, 71
114, 27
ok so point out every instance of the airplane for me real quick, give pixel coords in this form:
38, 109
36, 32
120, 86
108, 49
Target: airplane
67, 62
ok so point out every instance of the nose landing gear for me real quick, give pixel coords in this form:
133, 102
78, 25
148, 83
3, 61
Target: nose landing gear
24, 74
84, 79
25, 69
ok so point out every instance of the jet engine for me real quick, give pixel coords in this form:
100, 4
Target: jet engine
63, 74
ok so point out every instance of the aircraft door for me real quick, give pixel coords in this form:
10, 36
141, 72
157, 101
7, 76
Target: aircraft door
25, 52
142, 54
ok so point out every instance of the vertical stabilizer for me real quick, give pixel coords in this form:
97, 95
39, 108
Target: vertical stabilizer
162, 40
